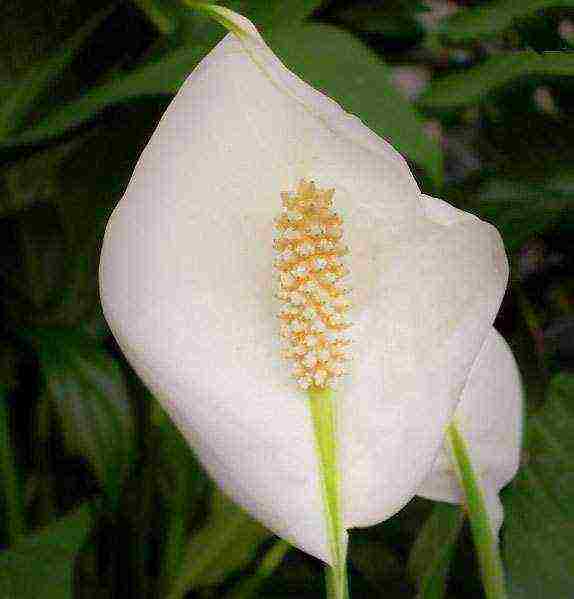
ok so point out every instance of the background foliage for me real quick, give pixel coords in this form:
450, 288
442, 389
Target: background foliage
99, 495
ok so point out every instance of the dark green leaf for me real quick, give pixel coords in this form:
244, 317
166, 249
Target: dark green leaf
15, 108
87, 391
163, 19
250, 587
434, 549
520, 209
491, 19
273, 15
388, 19
226, 543
374, 559
33, 180
539, 505
33, 263
361, 83
163, 76
182, 484
42, 565
472, 86
30, 30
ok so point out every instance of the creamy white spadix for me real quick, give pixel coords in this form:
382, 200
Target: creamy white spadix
187, 286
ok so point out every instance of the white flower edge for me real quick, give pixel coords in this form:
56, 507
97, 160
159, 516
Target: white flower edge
185, 286
489, 418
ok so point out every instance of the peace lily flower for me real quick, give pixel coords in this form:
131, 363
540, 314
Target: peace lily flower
187, 274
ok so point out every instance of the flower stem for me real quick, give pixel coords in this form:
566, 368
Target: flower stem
491, 568
324, 415
9, 476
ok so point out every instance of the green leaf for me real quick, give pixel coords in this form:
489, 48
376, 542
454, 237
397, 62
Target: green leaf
33, 180
521, 209
539, 505
375, 559
357, 79
267, 16
14, 110
33, 263
249, 587
226, 543
182, 483
473, 85
42, 565
388, 19
162, 76
433, 550
164, 21
87, 391
491, 19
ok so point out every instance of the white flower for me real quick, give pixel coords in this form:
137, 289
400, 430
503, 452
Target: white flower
186, 281
490, 418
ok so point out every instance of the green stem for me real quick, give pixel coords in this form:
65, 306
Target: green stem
491, 569
324, 415
9, 477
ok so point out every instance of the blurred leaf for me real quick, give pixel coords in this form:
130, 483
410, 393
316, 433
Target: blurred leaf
491, 19
539, 505
182, 483
33, 263
374, 559
42, 565
162, 76
87, 391
250, 586
520, 209
271, 15
361, 83
433, 550
164, 21
226, 543
31, 29
473, 85
35, 179
389, 19
15, 108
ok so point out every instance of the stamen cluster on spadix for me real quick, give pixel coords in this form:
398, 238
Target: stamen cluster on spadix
313, 295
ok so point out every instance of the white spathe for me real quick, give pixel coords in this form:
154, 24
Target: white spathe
489, 417
186, 287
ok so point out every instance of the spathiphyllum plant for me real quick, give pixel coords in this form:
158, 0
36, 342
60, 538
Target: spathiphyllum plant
309, 319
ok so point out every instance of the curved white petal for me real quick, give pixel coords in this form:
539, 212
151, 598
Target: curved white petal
490, 419
186, 274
